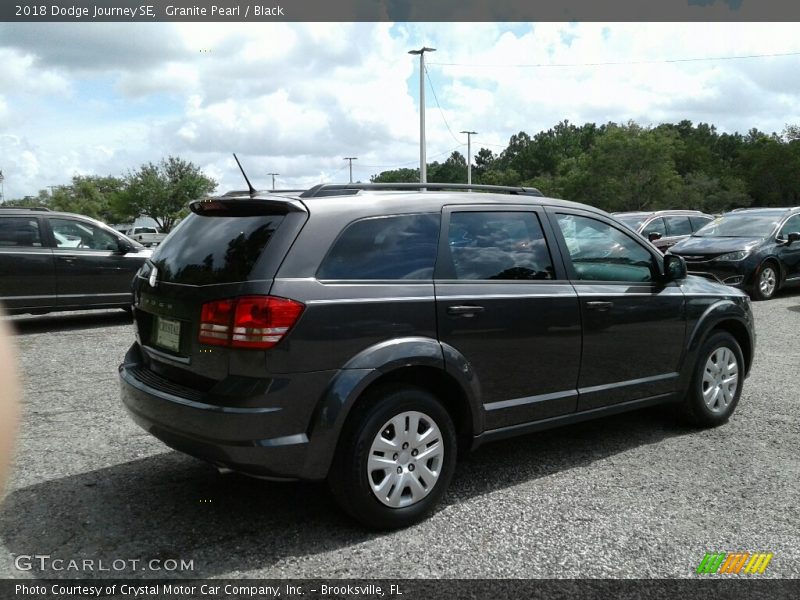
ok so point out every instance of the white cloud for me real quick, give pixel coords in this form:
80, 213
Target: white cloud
296, 98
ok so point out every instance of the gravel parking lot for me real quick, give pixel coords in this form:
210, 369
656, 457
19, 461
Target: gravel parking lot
631, 496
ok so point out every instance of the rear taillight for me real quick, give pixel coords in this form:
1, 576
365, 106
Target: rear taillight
248, 322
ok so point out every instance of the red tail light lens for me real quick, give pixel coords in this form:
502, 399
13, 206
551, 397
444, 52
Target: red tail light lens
215, 322
248, 322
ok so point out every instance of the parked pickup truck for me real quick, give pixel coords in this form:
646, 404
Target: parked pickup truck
146, 236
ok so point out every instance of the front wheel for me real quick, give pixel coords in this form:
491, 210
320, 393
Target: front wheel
766, 282
717, 382
395, 459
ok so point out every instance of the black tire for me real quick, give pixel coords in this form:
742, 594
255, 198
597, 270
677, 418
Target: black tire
767, 267
723, 347
349, 480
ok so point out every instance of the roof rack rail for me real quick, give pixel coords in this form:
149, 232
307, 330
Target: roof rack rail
42, 208
350, 189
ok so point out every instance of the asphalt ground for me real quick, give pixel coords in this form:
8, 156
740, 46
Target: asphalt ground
632, 496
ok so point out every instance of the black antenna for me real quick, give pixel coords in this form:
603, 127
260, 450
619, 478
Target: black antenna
253, 191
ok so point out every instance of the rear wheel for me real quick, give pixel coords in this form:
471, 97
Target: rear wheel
766, 282
395, 459
717, 381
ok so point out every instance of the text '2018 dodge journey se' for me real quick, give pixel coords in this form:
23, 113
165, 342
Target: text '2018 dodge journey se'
364, 334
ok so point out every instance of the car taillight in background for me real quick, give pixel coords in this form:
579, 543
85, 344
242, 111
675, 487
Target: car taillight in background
248, 322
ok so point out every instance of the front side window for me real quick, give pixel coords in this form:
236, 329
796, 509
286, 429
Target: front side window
655, 226
19, 232
81, 235
498, 245
384, 248
678, 226
600, 252
699, 222
792, 225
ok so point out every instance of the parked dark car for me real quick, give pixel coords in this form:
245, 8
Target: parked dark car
365, 334
756, 249
665, 228
52, 261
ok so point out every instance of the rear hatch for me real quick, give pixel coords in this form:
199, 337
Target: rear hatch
202, 301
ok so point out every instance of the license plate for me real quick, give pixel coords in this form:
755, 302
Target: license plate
168, 334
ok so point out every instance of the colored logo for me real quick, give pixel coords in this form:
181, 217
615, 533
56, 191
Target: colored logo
734, 562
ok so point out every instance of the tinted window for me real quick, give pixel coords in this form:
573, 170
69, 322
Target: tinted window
214, 249
498, 245
81, 235
19, 231
600, 252
792, 225
655, 226
678, 225
698, 222
397, 247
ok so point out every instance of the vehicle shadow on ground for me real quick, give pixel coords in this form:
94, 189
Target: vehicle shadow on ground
172, 506
67, 322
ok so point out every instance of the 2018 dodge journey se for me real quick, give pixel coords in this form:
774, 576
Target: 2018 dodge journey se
365, 334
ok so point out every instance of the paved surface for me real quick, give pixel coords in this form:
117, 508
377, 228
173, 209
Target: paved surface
631, 496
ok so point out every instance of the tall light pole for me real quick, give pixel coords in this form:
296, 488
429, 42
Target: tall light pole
469, 154
351, 159
273, 179
423, 172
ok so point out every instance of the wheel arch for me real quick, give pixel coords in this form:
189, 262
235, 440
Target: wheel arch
725, 315
417, 361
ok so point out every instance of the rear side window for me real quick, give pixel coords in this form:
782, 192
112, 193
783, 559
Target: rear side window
678, 226
394, 247
498, 245
205, 250
19, 231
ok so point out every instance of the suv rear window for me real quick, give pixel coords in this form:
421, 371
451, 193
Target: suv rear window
396, 247
214, 249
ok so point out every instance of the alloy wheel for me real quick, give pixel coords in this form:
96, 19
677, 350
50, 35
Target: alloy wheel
405, 459
767, 281
720, 379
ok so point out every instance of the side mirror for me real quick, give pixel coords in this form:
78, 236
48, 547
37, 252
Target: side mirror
123, 247
674, 267
653, 236
792, 238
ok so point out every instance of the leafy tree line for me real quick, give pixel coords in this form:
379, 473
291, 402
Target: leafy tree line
621, 167
160, 191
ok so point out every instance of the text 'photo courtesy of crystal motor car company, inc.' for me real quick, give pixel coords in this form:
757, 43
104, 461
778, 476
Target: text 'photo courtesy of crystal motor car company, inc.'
368, 334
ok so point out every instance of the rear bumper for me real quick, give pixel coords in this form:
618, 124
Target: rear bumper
267, 441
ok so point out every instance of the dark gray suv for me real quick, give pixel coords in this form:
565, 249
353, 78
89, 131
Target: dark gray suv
366, 334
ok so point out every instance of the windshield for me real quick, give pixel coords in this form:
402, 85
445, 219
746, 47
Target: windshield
634, 222
740, 225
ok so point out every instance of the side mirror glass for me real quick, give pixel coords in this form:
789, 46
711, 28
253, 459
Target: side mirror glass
123, 247
653, 236
674, 267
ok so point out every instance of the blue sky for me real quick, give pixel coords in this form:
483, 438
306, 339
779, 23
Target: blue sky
102, 98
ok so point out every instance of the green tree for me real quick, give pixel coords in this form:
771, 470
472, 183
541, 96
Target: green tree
396, 176
90, 195
162, 191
